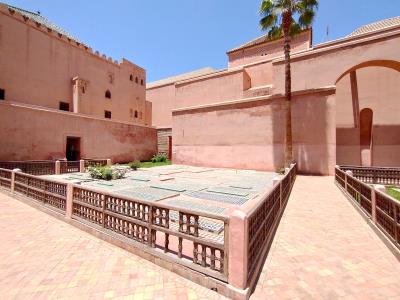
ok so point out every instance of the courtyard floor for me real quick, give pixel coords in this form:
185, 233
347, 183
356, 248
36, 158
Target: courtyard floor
323, 249
42, 257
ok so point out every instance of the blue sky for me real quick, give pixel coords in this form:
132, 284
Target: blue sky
176, 36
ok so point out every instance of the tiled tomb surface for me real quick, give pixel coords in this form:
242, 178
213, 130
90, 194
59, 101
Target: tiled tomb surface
208, 190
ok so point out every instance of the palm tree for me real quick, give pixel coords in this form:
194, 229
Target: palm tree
287, 18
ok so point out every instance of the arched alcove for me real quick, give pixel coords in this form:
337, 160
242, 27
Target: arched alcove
367, 114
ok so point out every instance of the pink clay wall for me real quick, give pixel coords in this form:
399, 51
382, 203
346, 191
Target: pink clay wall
260, 74
250, 135
325, 64
268, 50
379, 90
163, 98
210, 89
37, 68
34, 134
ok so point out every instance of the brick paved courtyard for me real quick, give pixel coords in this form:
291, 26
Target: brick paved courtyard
323, 249
41, 258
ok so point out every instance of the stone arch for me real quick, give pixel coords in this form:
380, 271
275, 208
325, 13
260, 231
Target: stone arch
391, 64
367, 105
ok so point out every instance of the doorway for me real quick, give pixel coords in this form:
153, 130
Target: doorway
73, 148
366, 121
170, 147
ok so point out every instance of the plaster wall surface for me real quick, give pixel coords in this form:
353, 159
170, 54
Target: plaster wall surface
324, 65
162, 98
250, 135
219, 87
37, 67
267, 50
39, 134
378, 88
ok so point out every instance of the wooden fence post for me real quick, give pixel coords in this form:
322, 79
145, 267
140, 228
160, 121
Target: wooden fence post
82, 166
373, 205
276, 181
58, 167
349, 173
68, 205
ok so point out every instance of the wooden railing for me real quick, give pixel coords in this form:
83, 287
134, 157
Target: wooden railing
264, 219
46, 191
49, 167
69, 166
388, 216
382, 209
45, 167
149, 223
168, 232
95, 162
5, 179
375, 175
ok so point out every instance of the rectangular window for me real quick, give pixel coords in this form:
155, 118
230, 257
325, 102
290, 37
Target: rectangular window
64, 106
2, 94
107, 114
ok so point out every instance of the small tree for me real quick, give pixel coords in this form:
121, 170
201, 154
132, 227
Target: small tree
287, 18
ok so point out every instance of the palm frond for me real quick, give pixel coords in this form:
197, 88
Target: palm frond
294, 29
275, 33
266, 7
268, 21
306, 18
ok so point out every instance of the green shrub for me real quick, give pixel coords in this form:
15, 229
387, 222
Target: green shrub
134, 165
160, 157
280, 171
106, 173
118, 173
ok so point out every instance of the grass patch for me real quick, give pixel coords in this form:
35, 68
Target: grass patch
149, 164
393, 193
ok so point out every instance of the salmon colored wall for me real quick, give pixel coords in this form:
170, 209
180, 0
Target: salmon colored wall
386, 149
260, 74
210, 89
33, 134
324, 65
379, 90
250, 135
163, 102
268, 50
148, 113
37, 68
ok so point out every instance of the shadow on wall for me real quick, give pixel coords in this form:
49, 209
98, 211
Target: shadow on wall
278, 134
313, 130
386, 146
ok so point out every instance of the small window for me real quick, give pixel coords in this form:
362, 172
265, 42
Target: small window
141, 81
108, 94
2, 94
83, 90
107, 114
136, 80
111, 78
136, 114
131, 77
64, 106
131, 113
